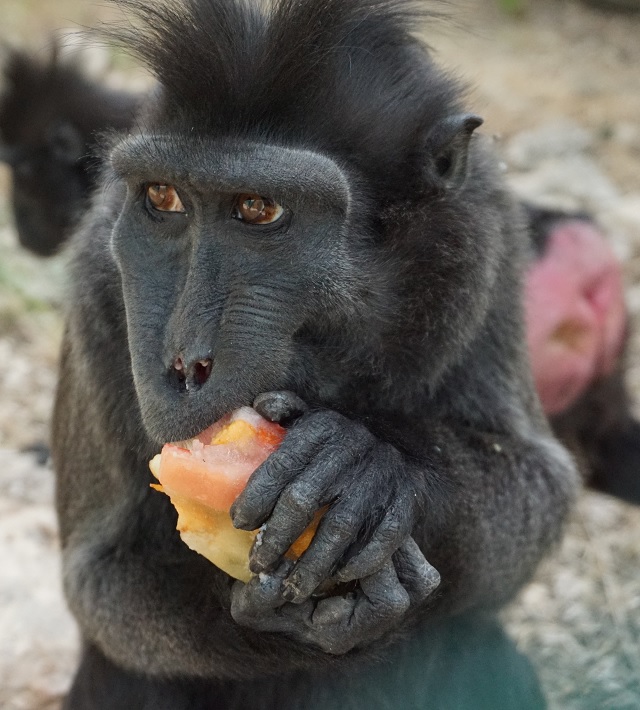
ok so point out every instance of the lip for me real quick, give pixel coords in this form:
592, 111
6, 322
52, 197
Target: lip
205, 436
171, 419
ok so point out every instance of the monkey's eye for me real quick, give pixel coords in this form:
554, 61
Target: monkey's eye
164, 198
254, 209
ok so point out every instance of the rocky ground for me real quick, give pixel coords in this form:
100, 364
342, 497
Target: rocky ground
559, 87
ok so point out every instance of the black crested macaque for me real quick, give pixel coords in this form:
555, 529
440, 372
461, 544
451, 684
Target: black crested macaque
580, 364
50, 117
303, 204
598, 426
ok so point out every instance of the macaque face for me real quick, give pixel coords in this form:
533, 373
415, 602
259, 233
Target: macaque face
225, 254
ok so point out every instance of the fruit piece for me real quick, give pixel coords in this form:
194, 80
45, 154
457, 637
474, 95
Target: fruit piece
203, 476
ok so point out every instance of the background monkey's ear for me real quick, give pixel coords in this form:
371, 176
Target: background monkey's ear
9, 154
66, 143
448, 147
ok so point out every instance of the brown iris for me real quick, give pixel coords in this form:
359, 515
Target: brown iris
165, 198
255, 209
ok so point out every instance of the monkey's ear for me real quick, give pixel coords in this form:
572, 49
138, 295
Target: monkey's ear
448, 148
65, 142
8, 155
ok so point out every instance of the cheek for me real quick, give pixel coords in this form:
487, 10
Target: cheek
576, 316
146, 250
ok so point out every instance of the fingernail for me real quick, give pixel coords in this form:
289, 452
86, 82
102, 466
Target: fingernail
239, 521
289, 592
257, 566
261, 560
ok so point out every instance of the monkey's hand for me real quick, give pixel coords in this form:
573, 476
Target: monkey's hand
329, 460
338, 624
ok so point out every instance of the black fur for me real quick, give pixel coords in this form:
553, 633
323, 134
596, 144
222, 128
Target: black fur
387, 299
541, 220
464, 664
50, 116
599, 428
605, 438
610, 459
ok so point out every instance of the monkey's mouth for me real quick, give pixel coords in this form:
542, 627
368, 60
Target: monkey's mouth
181, 400
204, 476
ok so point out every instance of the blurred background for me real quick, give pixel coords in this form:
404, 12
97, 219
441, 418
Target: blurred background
558, 83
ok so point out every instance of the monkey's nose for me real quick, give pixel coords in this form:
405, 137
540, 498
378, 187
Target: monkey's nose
187, 377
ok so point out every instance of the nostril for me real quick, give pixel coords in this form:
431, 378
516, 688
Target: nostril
183, 377
202, 371
177, 375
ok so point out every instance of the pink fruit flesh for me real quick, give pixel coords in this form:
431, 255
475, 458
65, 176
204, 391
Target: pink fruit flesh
215, 475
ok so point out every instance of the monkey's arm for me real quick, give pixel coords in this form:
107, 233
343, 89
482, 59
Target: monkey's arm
483, 506
138, 593
481, 516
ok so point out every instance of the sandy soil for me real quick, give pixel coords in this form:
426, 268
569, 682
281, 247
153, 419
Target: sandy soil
560, 90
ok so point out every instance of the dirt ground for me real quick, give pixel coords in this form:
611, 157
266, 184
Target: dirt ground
559, 88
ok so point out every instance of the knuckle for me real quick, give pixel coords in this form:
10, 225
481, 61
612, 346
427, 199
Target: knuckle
264, 556
278, 405
326, 424
279, 467
296, 500
390, 533
367, 563
331, 612
401, 603
241, 608
330, 418
395, 603
304, 579
339, 526
353, 570
428, 581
